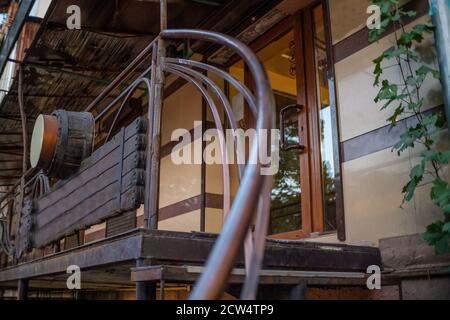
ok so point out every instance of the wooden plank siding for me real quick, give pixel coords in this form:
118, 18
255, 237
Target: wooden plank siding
108, 183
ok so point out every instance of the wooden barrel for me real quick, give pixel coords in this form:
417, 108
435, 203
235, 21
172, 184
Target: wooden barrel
61, 142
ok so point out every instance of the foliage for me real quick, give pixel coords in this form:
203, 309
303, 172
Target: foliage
406, 99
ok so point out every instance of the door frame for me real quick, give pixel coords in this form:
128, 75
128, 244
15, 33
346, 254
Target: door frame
310, 178
312, 197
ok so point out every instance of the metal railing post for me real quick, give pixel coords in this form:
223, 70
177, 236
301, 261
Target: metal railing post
151, 205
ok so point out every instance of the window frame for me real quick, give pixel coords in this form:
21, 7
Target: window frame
312, 204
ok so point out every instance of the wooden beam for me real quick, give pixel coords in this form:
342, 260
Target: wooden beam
190, 274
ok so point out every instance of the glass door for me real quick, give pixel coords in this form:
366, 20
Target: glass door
296, 56
283, 60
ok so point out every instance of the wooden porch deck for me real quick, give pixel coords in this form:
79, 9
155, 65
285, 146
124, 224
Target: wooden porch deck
116, 262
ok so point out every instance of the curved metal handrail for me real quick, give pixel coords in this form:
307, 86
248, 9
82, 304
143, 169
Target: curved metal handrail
221, 261
254, 192
218, 123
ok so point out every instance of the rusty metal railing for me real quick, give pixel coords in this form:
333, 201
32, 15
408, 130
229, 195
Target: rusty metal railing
251, 203
254, 191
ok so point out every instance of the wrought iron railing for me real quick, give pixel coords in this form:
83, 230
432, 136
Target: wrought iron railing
251, 203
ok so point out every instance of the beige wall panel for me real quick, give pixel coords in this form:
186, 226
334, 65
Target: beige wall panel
213, 220
372, 197
181, 110
178, 183
185, 223
348, 17
214, 179
358, 112
140, 211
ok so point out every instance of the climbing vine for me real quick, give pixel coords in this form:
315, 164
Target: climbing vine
406, 99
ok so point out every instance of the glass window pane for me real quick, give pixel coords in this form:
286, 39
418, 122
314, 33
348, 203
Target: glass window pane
328, 131
278, 59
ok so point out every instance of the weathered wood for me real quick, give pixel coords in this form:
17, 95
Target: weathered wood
91, 169
190, 274
120, 224
74, 143
143, 244
107, 184
289, 255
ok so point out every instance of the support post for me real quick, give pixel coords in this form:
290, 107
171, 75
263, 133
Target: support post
299, 292
145, 290
151, 205
162, 288
440, 13
22, 289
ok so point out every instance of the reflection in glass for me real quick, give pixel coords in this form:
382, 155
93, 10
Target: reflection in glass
279, 61
286, 193
328, 130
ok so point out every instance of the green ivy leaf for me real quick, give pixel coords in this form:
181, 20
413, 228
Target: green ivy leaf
441, 245
424, 71
409, 138
446, 227
440, 194
440, 157
416, 176
407, 98
415, 106
394, 118
437, 237
388, 92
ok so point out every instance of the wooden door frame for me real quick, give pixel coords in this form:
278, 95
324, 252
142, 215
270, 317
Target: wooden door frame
304, 61
312, 204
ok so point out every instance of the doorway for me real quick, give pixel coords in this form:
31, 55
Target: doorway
306, 193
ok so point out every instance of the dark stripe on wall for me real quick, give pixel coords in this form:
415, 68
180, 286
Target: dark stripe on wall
213, 201
379, 139
360, 39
